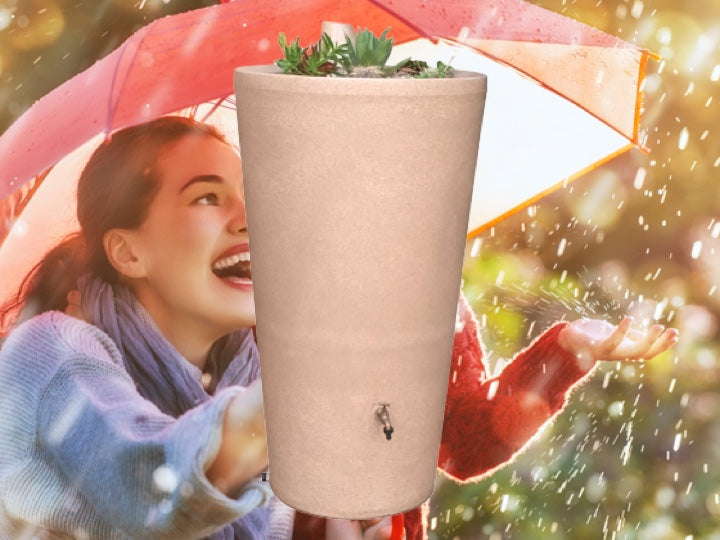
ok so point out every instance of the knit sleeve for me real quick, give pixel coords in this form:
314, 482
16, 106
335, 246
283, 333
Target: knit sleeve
282, 521
141, 470
489, 420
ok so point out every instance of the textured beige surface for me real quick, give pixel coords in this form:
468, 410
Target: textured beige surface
358, 194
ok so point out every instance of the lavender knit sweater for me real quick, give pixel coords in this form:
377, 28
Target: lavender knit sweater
83, 455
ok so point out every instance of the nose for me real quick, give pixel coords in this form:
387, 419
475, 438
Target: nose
238, 218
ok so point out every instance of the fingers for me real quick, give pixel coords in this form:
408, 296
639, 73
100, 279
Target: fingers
645, 346
380, 530
615, 339
640, 348
343, 529
666, 340
365, 529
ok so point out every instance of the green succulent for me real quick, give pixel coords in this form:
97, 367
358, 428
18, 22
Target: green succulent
319, 59
369, 50
365, 58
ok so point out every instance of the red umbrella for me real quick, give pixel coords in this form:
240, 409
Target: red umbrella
552, 80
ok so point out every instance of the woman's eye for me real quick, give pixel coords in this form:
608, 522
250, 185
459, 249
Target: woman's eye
208, 198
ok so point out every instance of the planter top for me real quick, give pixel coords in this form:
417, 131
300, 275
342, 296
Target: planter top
270, 77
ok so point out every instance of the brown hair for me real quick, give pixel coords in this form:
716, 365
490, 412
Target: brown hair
115, 190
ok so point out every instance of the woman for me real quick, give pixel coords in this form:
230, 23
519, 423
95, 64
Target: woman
108, 429
131, 403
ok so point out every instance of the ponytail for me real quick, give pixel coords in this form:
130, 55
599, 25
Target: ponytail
47, 285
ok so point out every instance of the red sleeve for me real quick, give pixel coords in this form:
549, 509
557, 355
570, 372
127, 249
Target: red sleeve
488, 421
308, 527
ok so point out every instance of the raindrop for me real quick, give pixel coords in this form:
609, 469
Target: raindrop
492, 390
659, 308
715, 75
678, 440
664, 35
67, 419
595, 488
165, 506
165, 479
637, 9
683, 138
640, 178
561, 247
696, 249
475, 247
616, 408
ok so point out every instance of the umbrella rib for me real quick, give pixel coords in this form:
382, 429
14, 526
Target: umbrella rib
214, 108
19, 205
110, 110
408, 22
113, 106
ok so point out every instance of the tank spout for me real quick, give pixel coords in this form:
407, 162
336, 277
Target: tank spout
384, 416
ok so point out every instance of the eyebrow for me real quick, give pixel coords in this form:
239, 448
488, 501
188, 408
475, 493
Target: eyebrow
211, 178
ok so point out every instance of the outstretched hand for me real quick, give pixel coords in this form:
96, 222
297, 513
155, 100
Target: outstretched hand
592, 339
365, 529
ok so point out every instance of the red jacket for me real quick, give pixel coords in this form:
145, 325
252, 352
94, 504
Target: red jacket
487, 421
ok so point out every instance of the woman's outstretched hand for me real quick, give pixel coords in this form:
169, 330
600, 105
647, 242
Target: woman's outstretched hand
591, 340
364, 529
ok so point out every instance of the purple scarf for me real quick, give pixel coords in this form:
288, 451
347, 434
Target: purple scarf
162, 375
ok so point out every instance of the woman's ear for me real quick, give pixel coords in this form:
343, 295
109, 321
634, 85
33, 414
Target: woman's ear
123, 253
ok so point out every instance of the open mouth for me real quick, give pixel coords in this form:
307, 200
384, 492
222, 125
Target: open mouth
235, 266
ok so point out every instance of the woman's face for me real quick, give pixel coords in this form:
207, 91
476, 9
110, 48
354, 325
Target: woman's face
194, 242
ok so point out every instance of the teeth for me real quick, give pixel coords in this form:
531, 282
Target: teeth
231, 260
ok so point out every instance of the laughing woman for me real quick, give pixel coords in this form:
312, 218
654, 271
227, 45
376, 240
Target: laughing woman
145, 419
130, 399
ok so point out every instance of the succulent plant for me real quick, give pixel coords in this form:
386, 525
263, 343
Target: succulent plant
319, 59
365, 58
368, 51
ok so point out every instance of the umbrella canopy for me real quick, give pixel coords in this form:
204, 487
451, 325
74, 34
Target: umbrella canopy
562, 98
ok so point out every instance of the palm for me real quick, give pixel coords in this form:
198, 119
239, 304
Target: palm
593, 339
